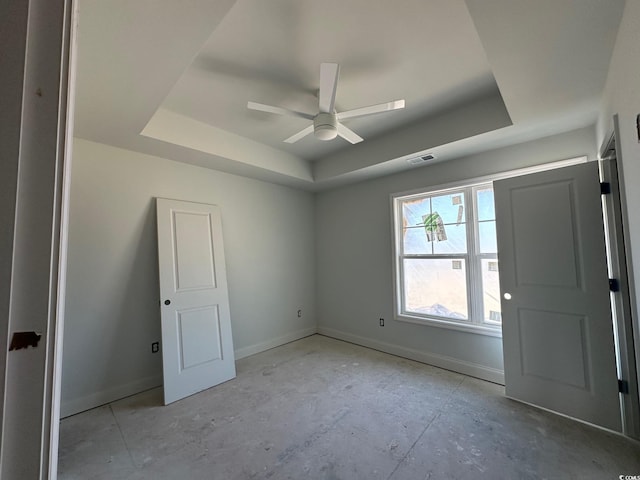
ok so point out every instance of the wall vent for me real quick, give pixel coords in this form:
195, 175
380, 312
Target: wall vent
420, 160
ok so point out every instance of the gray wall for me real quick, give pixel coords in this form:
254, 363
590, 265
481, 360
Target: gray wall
354, 260
112, 312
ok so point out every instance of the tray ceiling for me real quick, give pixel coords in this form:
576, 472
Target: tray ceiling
173, 78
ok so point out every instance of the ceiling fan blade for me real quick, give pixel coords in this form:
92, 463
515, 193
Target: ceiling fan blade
328, 85
348, 134
277, 110
302, 133
381, 107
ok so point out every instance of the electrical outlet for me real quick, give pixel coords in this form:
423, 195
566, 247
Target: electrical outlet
155, 347
382, 322
300, 313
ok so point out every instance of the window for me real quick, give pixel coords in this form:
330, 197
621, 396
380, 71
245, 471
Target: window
446, 258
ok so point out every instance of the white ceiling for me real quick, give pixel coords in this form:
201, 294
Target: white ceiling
172, 79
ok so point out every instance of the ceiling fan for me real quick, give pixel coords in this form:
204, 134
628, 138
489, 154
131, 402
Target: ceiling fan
326, 123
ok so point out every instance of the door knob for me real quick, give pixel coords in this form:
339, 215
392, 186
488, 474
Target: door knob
167, 302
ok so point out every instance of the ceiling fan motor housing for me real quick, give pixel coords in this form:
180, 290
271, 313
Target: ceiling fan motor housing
325, 126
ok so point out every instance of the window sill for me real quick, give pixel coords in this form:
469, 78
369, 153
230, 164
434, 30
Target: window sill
491, 331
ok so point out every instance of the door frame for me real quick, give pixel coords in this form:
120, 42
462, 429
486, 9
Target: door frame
36, 137
627, 334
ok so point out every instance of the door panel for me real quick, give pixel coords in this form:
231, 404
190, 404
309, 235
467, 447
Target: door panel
559, 364
199, 334
193, 252
197, 345
538, 232
557, 327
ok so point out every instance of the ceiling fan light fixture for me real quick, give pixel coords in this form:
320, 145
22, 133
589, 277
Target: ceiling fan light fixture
325, 126
325, 132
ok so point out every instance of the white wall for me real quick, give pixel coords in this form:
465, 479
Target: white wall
112, 310
622, 97
354, 261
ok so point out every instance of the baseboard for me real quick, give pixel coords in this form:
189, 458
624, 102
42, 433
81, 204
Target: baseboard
275, 342
449, 363
71, 407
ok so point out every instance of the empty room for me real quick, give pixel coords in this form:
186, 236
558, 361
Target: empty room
331, 240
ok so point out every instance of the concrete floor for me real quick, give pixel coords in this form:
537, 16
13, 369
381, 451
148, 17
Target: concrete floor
319, 408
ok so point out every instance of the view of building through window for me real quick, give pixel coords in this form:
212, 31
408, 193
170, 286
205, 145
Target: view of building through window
446, 258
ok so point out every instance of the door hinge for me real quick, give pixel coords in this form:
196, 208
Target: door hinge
623, 386
24, 340
614, 285
605, 188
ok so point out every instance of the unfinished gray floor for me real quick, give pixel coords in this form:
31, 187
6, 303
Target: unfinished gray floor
319, 408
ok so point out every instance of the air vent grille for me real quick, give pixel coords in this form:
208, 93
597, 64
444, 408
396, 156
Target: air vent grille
422, 159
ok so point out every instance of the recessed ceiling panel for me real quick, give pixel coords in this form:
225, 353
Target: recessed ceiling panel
270, 52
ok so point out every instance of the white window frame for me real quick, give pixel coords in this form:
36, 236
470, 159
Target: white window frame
478, 326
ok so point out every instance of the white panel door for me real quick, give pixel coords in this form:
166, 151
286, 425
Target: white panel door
197, 346
557, 327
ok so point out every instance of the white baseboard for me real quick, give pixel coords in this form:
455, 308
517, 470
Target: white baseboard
71, 407
275, 342
77, 405
449, 363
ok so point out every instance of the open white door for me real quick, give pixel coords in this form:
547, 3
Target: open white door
557, 327
197, 346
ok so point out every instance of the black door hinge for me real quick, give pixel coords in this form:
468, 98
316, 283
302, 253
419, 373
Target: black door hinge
21, 340
605, 188
623, 386
614, 286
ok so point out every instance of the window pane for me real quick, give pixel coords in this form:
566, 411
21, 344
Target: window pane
414, 210
436, 287
415, 241
491, 291
451, 239
449, 207
487, 235
486, 206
